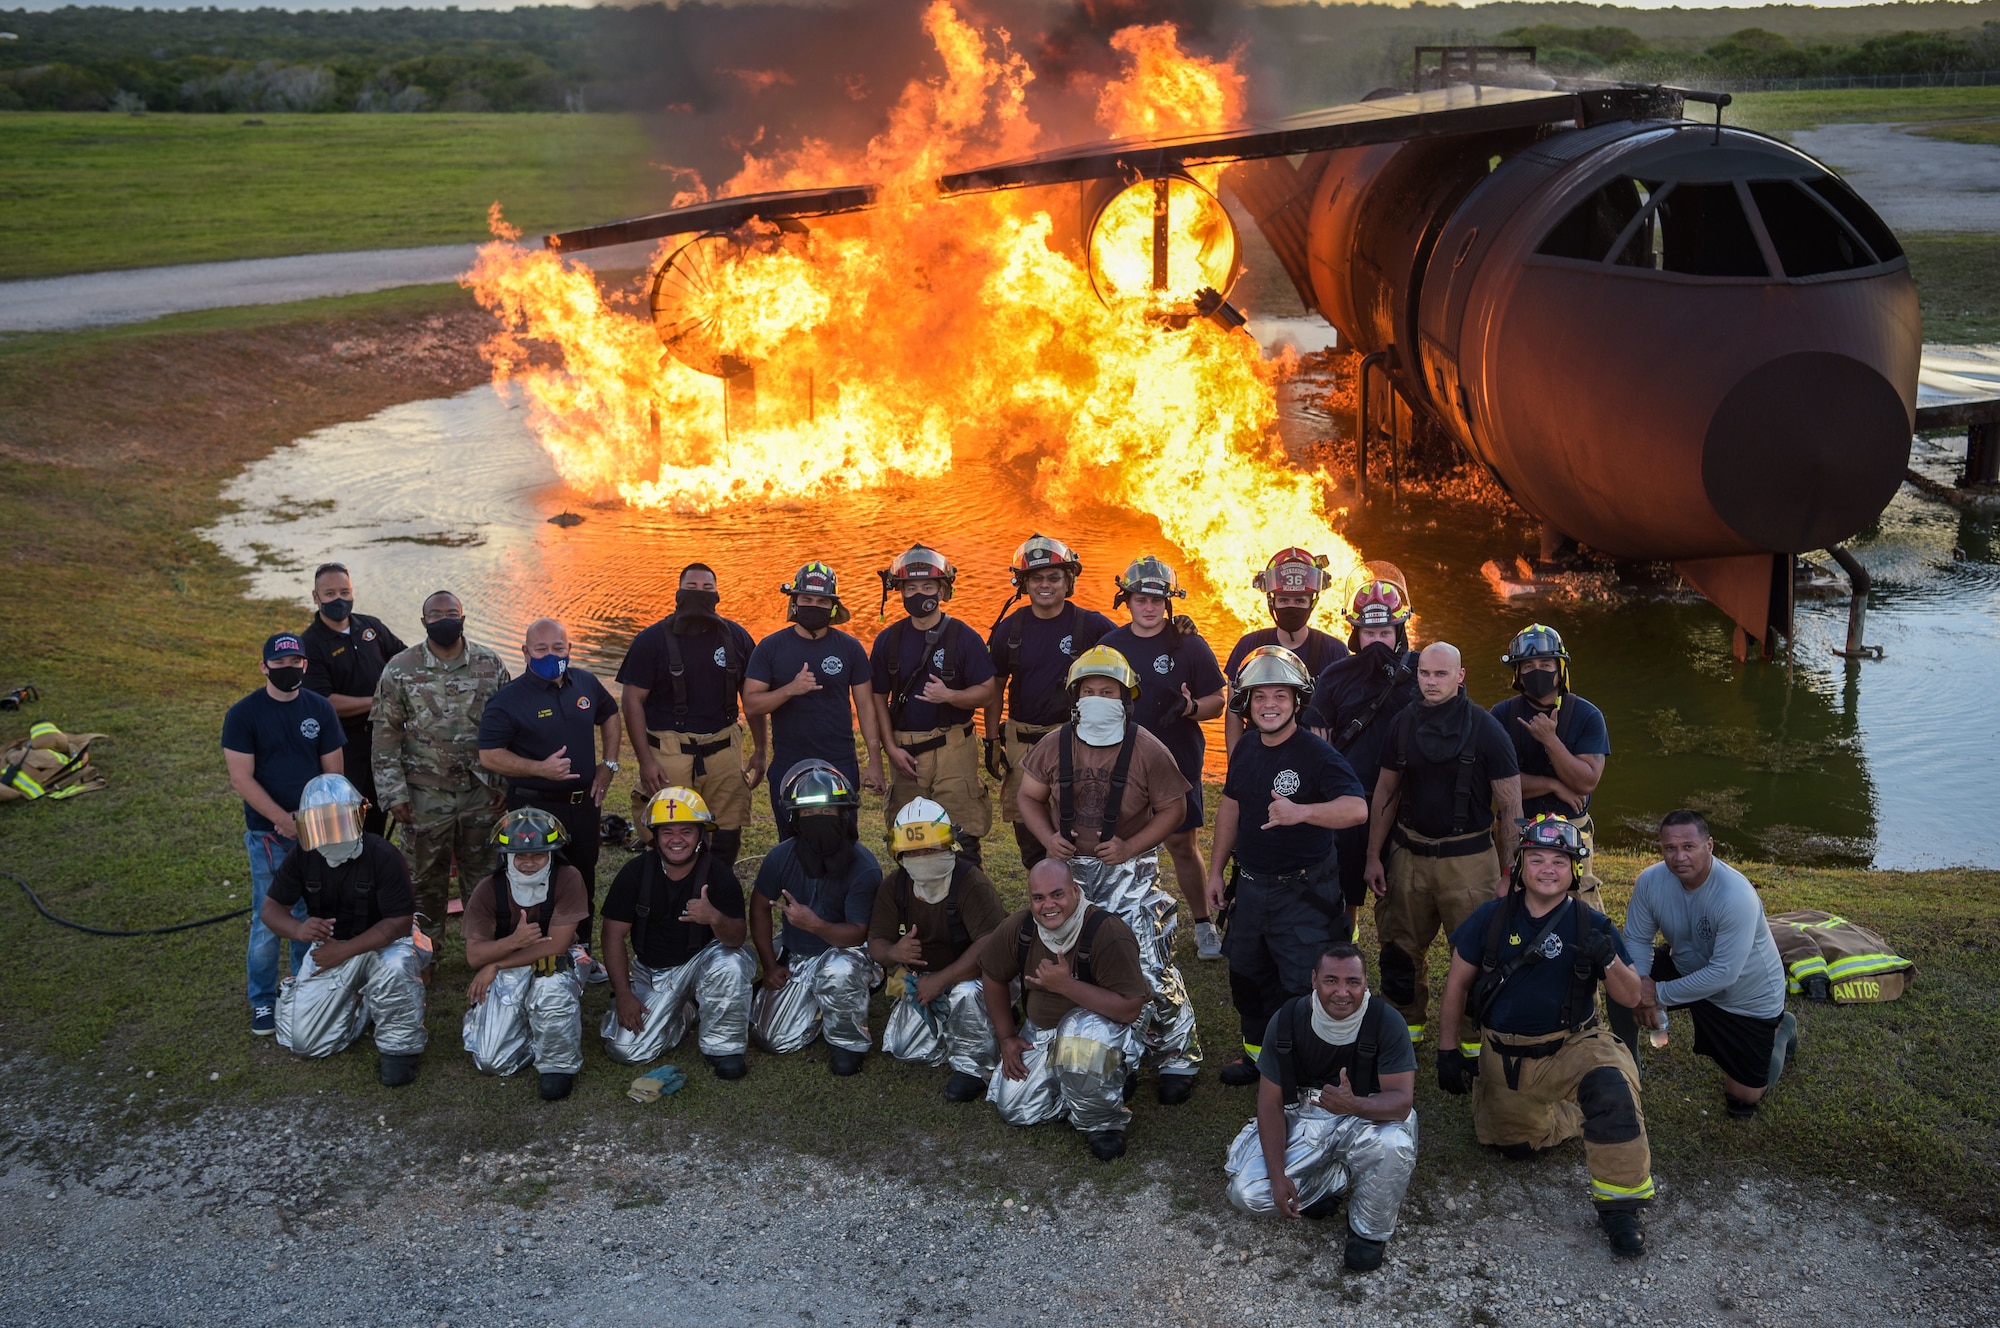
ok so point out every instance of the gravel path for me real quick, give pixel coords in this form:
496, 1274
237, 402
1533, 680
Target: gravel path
1915, 183
331, 1216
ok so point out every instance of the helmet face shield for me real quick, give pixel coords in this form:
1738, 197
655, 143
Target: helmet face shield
1147, 576
1558, 833
1270, 666
813, 785
1293, 572
1040, 553
529, 830
328, 823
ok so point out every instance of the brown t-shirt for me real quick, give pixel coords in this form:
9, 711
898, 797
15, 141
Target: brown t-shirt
1152, 784
1114, 964
979, 909
477, 923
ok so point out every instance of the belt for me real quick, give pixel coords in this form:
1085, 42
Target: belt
932, 744
556, 799
1032, 732
1462, 847
1512, 1054
700, 751
1301, 881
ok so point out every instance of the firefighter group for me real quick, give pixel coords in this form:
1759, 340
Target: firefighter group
1357, 770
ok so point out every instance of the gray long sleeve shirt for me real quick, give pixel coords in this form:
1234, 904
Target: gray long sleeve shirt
1721, 943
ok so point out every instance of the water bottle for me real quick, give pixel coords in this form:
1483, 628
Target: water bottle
1659, 1032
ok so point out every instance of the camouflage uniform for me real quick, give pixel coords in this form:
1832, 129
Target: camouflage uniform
427, 754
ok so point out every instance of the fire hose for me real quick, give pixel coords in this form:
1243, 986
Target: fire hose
42, 909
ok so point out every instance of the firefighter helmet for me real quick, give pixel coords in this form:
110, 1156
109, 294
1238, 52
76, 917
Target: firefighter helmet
1103, 662
815, 784
918, 563
815, 578
1537, 641
1147, 576
529, 830
329, 812
921, 825
1382, 599
1040, 552
1293, 571
1553, 832
1270, 666
675, 804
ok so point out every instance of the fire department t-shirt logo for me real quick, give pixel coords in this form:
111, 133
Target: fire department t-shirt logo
937, 659
583, 703
1163, 664
830, 665
1286, 784
721, 658
309, 727
1065, 646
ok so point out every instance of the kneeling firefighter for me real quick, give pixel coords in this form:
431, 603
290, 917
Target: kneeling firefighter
366, 964
930, 916
681, 905
825, 881
1528, 966
519, 928
1102, 793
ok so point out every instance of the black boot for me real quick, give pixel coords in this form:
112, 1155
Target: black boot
1622, 1229
1106, 1145
398, 1070
1364, 1255
1240, 1073
1131, 1084
1175, 1089
963, 1087
842, 1061
728, 1067
1737, 1108
1321, 1208
968, 848
556, 1087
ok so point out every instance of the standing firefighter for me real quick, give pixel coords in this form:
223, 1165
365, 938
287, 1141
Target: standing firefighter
812, 679
365, 965
678, 689
426, 752
931, 914
1180, 686
931, 674
526, 1002
1560, 740
345, 655
825, 883
1291, 582
1447, 766
1527, 968
682, 907
1101, 793
1032, 649
1287, 793
1356, 701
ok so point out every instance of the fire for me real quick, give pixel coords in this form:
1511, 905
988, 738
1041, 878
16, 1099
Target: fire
865, 351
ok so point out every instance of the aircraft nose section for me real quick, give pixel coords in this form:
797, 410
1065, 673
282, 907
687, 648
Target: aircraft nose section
1805, 451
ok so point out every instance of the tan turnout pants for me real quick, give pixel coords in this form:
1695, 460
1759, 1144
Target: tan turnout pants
1427, 895
719, 779
1588, 1086
1020, 739
947, 774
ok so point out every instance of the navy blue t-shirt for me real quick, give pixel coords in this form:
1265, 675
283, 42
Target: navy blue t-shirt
1303, 768
711, 703
849, 899
286, 738
959, 651
819, 724
1532, 1004
1321, 651
1165, 661
1580, 727
1343, 693
534, 719
1038, 671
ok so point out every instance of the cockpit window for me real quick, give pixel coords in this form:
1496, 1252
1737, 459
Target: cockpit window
1595, 224
1808, 237
1858, 215
1698, 230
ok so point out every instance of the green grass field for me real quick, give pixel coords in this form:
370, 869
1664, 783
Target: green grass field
133, 627
1948, 112
87, 192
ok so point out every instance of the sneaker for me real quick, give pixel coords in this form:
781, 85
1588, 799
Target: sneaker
1240, 1073
842, 1061
1364, 1255
1207, 940
1622, 1229
263, 1023
1106, 1145
556, 1087
1175, 1089
963, 1087
728, 1067
398, 1070
1736, 1107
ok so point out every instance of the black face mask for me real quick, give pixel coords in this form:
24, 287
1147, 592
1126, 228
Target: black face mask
336, 610
1539, 684
1380, 656
813, 617
287, 678
696, 603
919, 606
825, 849
1291, 619
445, 632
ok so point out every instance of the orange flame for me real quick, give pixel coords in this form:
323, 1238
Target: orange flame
879, 343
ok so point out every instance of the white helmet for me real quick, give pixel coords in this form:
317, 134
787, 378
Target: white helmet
922, 824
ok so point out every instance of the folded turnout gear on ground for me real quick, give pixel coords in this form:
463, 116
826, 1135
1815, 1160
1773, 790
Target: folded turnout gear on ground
48, 763
1827, 957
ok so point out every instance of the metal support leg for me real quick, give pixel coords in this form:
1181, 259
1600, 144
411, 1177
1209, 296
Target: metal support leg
1857, 607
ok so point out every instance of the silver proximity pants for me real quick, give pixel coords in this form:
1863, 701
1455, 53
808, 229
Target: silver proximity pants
955, 1027
713, 987
524, 1018
1326, 1154
322, 1010
1132, 891
1075, 1070
827, 993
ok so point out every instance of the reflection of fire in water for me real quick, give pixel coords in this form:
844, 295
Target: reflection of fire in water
878, 342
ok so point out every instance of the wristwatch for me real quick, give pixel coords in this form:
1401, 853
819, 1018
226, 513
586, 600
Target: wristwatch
612, 766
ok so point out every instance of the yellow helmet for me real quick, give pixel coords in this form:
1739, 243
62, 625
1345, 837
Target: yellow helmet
921, 824
673, 804
1104, 662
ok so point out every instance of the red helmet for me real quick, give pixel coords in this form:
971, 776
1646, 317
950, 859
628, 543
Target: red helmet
917, 563
1381, 600
1293, 571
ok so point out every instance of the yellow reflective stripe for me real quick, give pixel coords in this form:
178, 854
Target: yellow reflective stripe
1856, 966
1830, 922
1252, 1052
1416, 1032
1604, 1189
1469, 1049
1810, 964
43, 729
28, 787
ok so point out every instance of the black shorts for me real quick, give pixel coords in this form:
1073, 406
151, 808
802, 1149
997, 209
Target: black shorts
1740, 1044
1352, 846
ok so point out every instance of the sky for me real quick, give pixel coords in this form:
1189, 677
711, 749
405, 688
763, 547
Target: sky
42, 5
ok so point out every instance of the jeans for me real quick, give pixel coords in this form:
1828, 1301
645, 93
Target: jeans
267, 848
